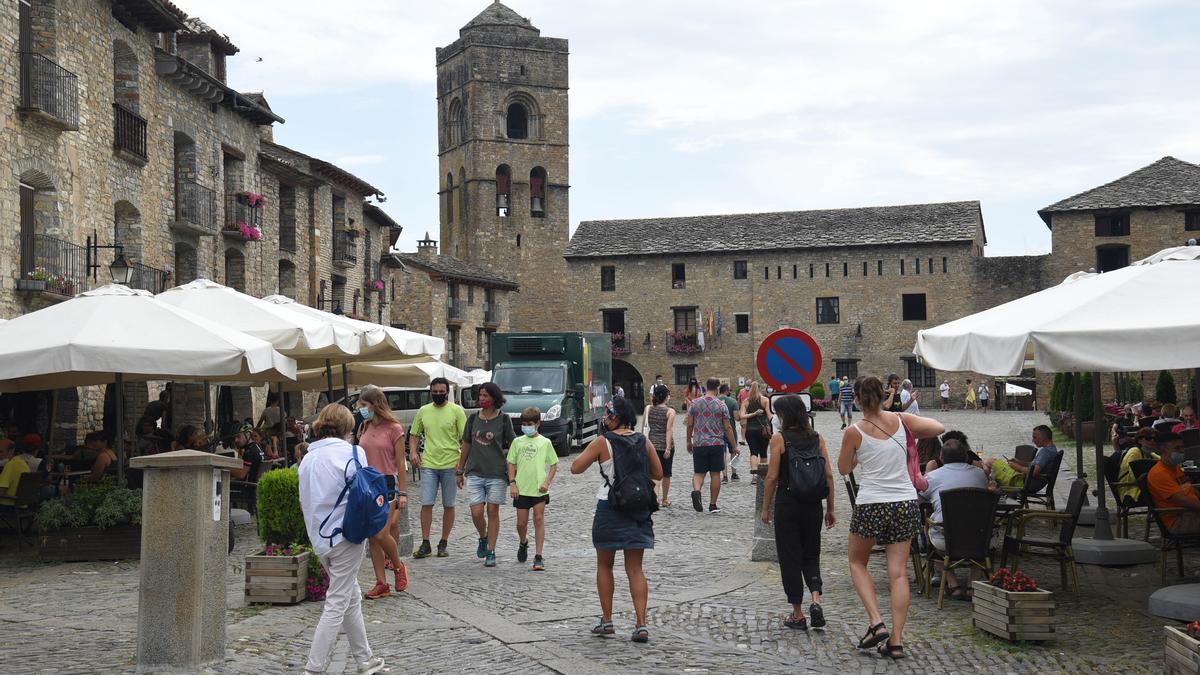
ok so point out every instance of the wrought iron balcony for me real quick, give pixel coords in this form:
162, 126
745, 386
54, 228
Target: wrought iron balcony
491, 313
621, 344
239, 212
683, 343
49, 90
456, 310
195, 208
149, 278
52, 265
129, 132
345, 248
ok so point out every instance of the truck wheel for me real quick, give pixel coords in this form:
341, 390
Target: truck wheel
564, 448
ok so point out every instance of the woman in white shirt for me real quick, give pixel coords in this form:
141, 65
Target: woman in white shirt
885, 510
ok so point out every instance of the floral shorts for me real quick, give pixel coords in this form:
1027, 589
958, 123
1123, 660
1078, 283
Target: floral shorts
887, 522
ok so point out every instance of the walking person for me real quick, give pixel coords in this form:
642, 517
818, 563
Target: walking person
743, 394
658, 424
708, 430
382, 439
983, 396
833, 387
756, 411
322, 478
693, 392
731, 451
528, 459
970, 400
484, 459
885, 511
798, 508
846, 402
944, 390
614, 530
442, 423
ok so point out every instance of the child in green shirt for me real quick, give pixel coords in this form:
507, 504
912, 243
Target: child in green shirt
528, 458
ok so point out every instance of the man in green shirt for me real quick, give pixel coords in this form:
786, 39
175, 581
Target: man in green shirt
442, 424
733, 452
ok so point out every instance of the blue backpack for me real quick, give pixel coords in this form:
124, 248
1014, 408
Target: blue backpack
366, 507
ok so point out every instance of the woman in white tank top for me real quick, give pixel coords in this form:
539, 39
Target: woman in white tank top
885, 510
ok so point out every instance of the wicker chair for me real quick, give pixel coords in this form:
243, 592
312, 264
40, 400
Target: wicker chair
1168, 540
968, 526
1060, 547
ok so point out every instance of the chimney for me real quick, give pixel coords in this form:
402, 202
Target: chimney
427, 247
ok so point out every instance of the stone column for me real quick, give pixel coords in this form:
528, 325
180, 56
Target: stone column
185, 538
762, 548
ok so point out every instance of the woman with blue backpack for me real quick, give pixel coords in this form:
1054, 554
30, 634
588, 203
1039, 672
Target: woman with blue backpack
799, 467
628, 465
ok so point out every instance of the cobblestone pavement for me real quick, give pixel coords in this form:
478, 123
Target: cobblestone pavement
711, 609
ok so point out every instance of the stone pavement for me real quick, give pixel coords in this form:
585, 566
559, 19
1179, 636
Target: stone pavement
711, 609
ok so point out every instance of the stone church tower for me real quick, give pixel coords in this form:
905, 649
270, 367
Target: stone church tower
502, 155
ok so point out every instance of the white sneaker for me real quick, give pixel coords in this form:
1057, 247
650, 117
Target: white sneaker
369, 667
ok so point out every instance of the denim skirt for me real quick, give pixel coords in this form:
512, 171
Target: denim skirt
616, 531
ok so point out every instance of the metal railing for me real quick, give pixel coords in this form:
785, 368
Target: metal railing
149, 278
491, 313
60, 265
237, 211
455, 308
49, 88
345, 247
196, 205
621, 344
129, 131
683, 343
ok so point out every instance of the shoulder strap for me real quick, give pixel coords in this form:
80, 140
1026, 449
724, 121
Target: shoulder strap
341, 496
612, 458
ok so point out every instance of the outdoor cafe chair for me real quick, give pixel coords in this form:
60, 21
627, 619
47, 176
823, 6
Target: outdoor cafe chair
1044, 496
1191, 438
24, 506
244, 493
1191, 453
1060, 547
968, 526
1168, 539
1024, 453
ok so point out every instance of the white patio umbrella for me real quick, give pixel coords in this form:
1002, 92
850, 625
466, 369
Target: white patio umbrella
384, 374
1011, 389
114, 333
480, 376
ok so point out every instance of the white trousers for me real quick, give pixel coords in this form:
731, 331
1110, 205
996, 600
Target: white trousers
343, 608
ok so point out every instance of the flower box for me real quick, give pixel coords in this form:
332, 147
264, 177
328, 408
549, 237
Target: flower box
1182, 651
1013, 615
277, 579
120, 542
31, 284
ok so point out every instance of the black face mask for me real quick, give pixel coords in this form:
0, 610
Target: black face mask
438, 399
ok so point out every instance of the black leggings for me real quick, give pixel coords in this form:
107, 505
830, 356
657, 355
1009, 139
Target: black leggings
757, 442
798, 541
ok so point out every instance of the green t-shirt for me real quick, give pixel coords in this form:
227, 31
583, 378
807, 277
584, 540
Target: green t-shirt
443, 427
531, 456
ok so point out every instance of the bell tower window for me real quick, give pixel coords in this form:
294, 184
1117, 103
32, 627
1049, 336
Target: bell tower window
503, 190
449, 198
457, 123
537, 192
517, 121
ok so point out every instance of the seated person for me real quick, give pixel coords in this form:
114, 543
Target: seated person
188, 438
1011, 472
1187, 417
10, 475
250, 453
1145, 449
954, 473
30, 449
1167, 419
955, 435
266, 442
929, 452
299, 452
106, 457
1170, 487
151, 440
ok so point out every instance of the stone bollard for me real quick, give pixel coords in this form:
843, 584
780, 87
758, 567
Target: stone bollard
762, 548
185, 539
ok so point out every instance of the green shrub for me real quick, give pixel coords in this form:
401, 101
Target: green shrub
1056, 393
1066, 395
1084, 398
817, 390
1134, 391
1164, 388
280, 520
104, 505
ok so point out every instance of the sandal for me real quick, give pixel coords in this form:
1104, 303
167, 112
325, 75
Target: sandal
603, 628
957, 593
796, 623
666, 503
875, 634
640, 634
892, 651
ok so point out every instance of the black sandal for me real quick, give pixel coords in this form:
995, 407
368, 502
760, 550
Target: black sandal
892, 651
875, 634
796, 623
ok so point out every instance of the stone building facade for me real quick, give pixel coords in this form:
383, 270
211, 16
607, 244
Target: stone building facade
461, 302
120, 129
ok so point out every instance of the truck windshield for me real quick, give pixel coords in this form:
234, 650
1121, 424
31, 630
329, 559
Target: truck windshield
529, 380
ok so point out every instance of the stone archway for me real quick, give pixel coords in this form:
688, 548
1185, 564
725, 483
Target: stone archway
628, 378
185, 262
127, 229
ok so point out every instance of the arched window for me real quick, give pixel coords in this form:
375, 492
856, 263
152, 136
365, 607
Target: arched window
517, 121
127, 230
503, 190
449, 198
462, 197
537, 192
456, 123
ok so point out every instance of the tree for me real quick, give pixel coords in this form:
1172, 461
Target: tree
1067, 395
1134, 391
1083, 397
1164, 388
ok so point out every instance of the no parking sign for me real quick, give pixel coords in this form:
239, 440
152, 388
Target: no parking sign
789, 360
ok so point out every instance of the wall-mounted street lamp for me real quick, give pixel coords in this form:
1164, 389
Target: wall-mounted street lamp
121, 270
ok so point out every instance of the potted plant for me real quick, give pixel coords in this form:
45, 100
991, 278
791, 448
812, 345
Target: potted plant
252, 199
1183, 648
1011, 606
374, 285
285, 571
34, 281
96, 522
61, 284
619, 346
682, 343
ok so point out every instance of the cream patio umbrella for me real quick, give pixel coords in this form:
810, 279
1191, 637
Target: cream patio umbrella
114, 333
384, 374
480, 376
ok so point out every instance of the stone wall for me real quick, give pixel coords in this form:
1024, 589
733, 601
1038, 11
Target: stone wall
1074, 240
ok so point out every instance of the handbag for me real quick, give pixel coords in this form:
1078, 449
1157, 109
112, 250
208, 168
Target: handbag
914, 461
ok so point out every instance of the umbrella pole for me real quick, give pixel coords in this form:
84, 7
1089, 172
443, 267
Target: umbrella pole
328, 382
345, 381
120, 405
208, 422
1076, 381
1103, 529
282, 426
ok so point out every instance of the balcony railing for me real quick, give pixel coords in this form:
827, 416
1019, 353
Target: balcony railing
345, 246
196, 207
53, 265
491, 313
50, 89
683, 343
129, 132
149, 278
621, 344
456, 309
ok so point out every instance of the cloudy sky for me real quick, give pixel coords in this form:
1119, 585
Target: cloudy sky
697, 106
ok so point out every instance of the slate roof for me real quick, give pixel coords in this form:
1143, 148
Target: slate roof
198, 29
449, 266
294, 158
497, 14
880, 225
1167, 182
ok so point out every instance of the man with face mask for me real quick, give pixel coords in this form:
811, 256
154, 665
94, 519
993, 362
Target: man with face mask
1170, 487
442, 423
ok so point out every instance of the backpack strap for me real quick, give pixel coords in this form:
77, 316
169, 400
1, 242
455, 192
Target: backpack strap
613, 458
341, 496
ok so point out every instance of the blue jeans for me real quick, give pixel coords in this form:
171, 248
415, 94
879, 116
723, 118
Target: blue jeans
482, 489
431, 480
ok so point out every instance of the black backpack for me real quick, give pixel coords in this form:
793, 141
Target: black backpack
630, 491
806, 471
